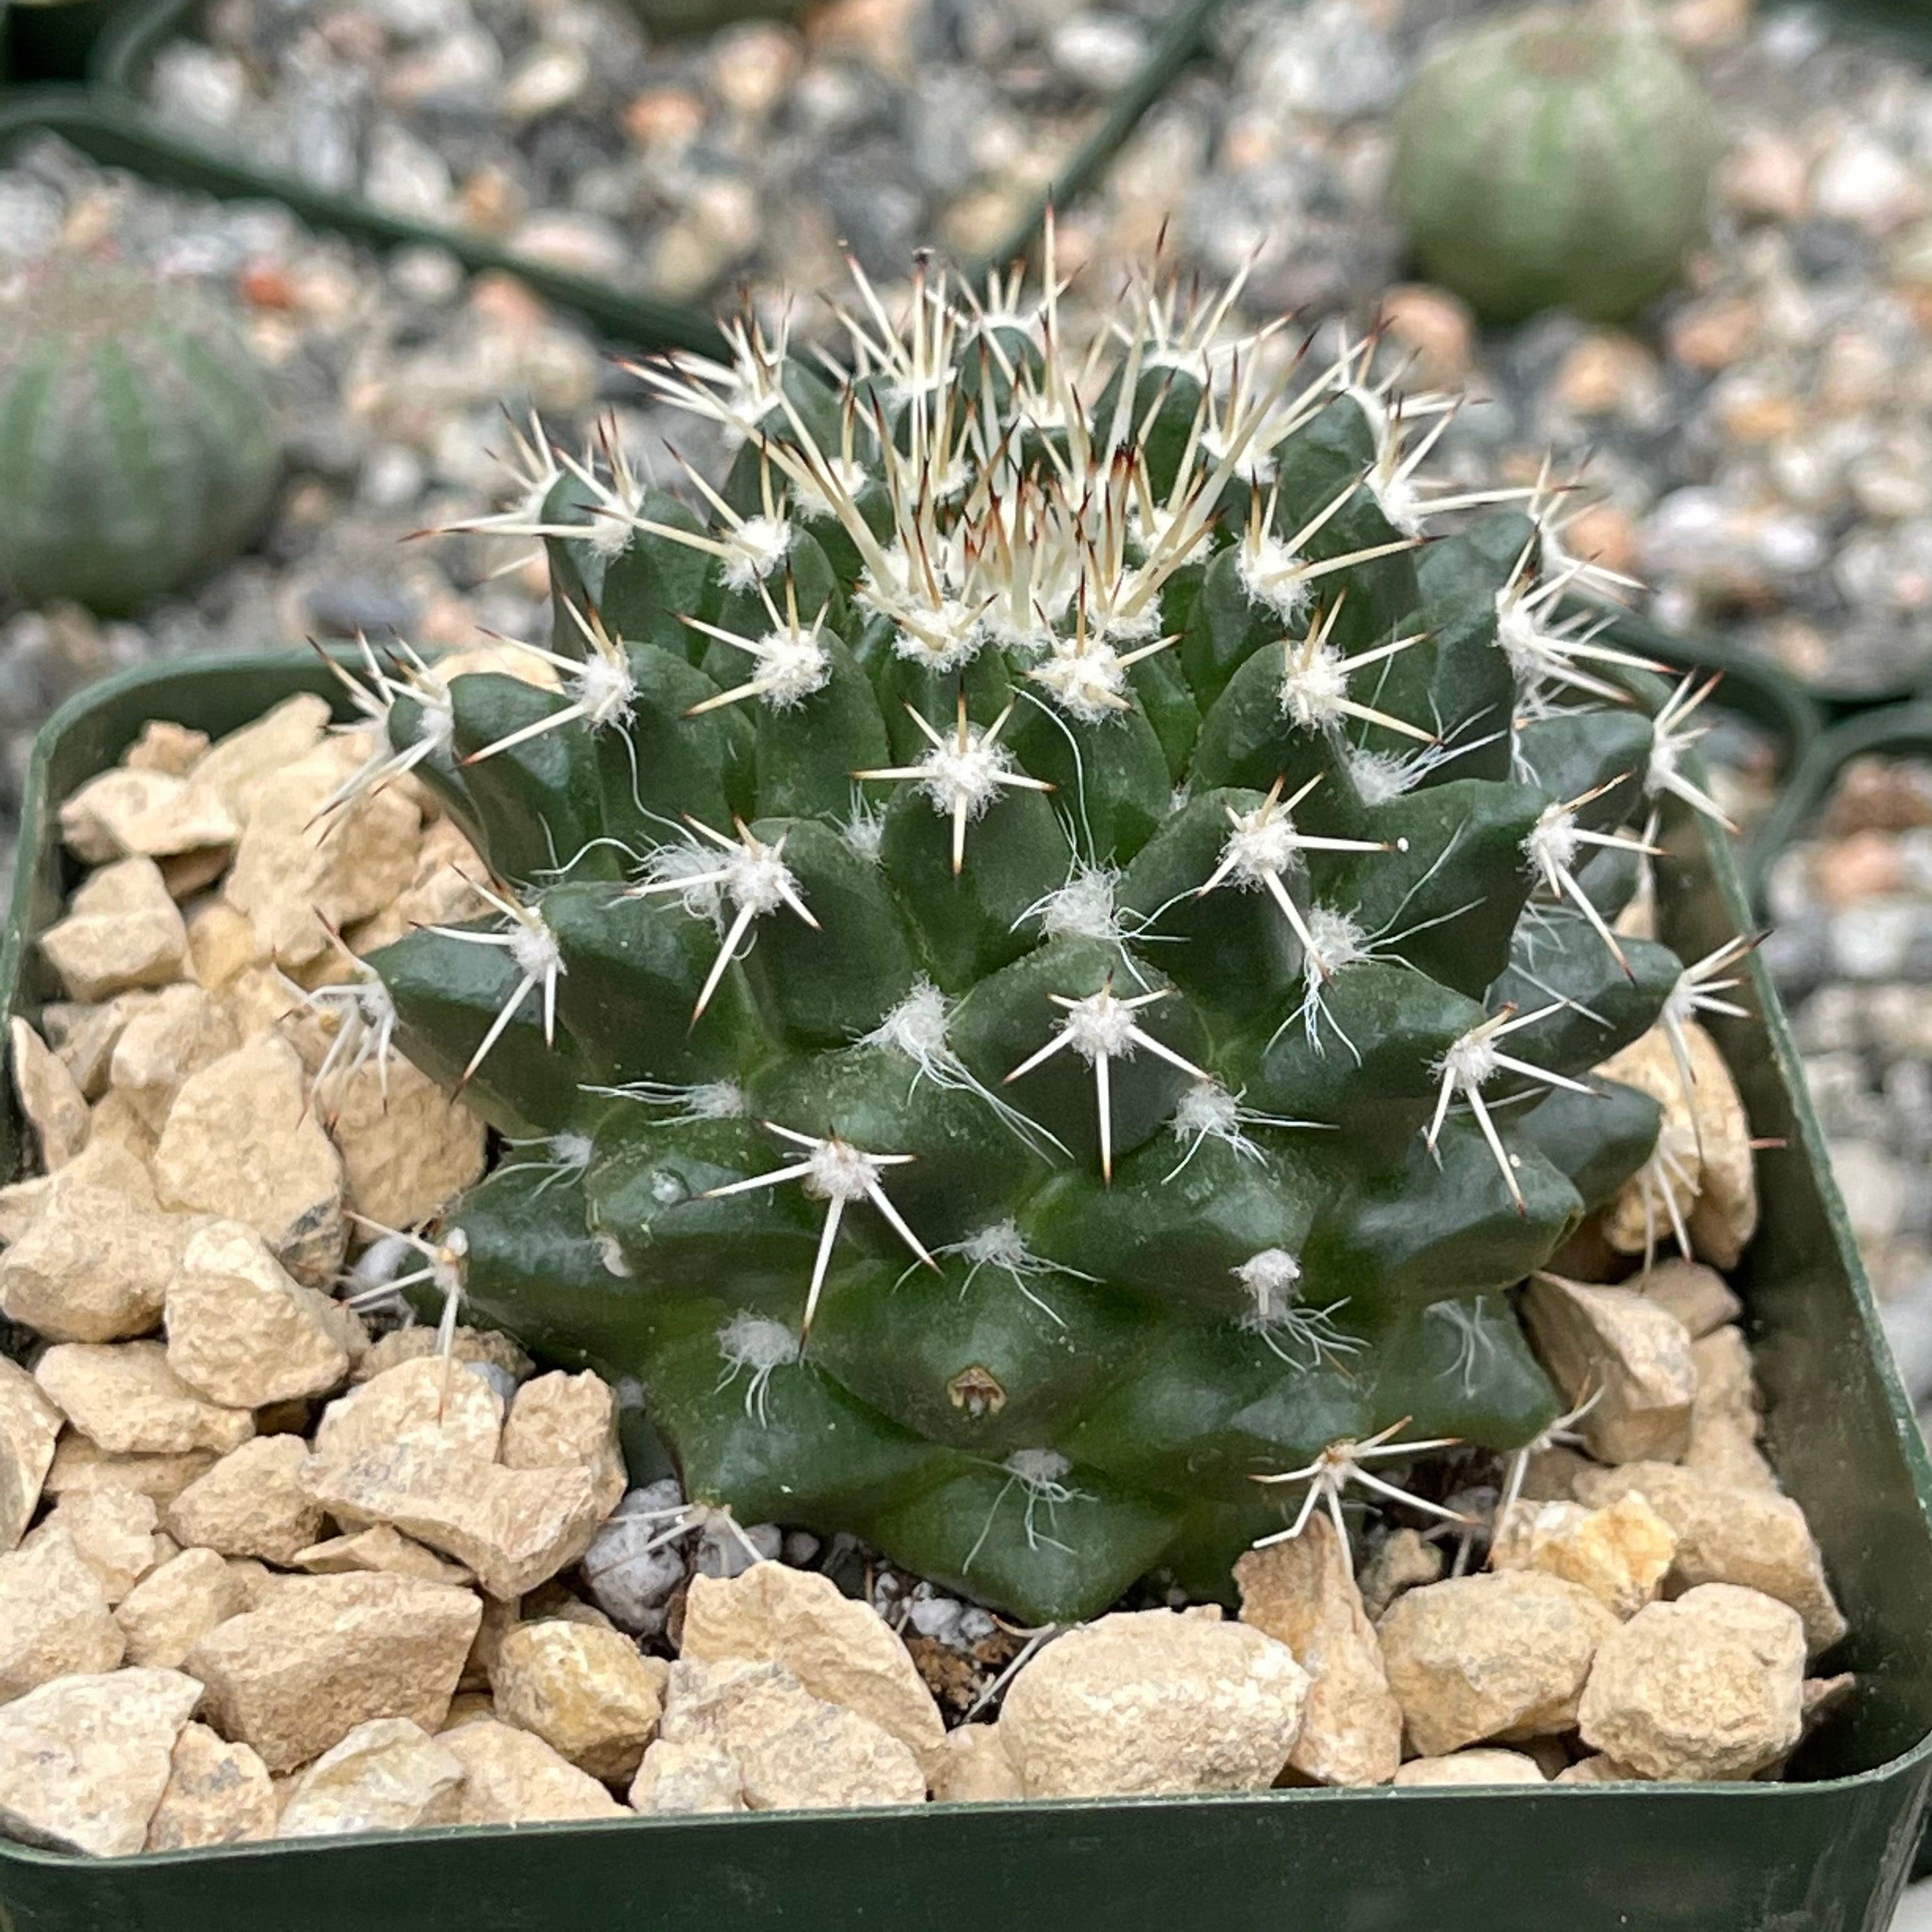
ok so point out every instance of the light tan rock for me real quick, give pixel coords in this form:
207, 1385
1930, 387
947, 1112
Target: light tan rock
974, 1768
841, 1652
93, 1266
297, 873
122, 930
175, 1605
513, 1528
252, 1503
1304, 1593
387, 1775
1710, 1686
113, 1531
179, 1031
242, 1331
256, 1582
1471, 1767
558, 1420
223, 944
1149, 1702
696, 1776
1725, 1419
29, 1427
325, 1654
54, 1618
125, 1397
83, 1036
234, 765
1725, 1217
147, 814
405, 1154
512, 1776
116, 1124
1400, 1561
422, 1396
1751, 1537
443, 892
186, 874
1500, 1656
1620, 1554
84, 1760
242, 1142
1596, 1770
589, 1693
263, 1000
793, 1751
79, 1464
1634, 1356
217, 1793
50, 1098
466, 1707
1700, 1297
468, 1344
165, 746
381, 1549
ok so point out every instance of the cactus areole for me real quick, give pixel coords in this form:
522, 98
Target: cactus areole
1050, 941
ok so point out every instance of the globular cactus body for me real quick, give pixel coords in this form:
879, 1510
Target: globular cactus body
1057, 948
139, 448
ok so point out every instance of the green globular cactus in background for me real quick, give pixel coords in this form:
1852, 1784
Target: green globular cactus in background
1562, 157
138, 447
1052, 947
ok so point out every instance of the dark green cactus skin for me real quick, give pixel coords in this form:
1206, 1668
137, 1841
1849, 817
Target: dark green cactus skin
1127, 1364
139, 448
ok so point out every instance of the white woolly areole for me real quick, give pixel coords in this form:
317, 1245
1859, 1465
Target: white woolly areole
1001, 1246
1084, 907
950, 635
1312, 689
810, 499
1471, 1060
758, 546
864, 832
1260, 848
1339, 939
840, 1171
1551, 845
792, 665
1521, 641
435, 721
717, 1100
1379, 776
951, 778
669, 863
756, 881
1256, 462
755, 1341
569, 1150
609, 537
1206, 1107
604, 686
1099, 1025
1272, 1277
1681, 1003
916, 1027
1270, 573
1038, 1468
1086, 683
533, 946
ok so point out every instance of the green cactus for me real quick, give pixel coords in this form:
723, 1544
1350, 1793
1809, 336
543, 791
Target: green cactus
1562, 157
1052, 945
138, 445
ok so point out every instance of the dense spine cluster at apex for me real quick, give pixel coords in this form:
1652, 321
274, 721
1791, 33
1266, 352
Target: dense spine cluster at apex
1050, 935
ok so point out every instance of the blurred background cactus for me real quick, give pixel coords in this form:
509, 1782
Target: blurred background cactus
139, 446
1561, 157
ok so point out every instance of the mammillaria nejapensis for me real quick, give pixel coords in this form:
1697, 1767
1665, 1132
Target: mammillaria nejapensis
138, 447
1051, 941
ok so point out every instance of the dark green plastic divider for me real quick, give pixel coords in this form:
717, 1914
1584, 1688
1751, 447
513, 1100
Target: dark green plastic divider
55, 40
141, 141
1825, 1855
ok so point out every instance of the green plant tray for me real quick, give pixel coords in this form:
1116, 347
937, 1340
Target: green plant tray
55, 40
119, 127
1829, 1854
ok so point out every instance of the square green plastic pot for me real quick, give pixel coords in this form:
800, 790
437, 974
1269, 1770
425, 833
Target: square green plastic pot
1828, 1852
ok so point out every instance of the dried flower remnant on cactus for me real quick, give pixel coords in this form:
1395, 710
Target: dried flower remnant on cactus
1066, 943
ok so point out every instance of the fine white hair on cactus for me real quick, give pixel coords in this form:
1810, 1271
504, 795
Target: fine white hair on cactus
791, 660
1553, 848
836, 1172
558, 1157
1084, 907
1040, 1476
1102, 1027
1275, 571
1002, 1247
756, 1343
365, 1026
408, 677
1561, 1434
1206, 1111
1265, 844
1285, 1324
1314, 691
743, 396
1380, 776
1342, 1463
752, 875
1542, 655
1672, 738
533, 951
961, 774
1471, 1062
1474, 1342
444, 1266
703, 1100
599, 686
1699, 989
